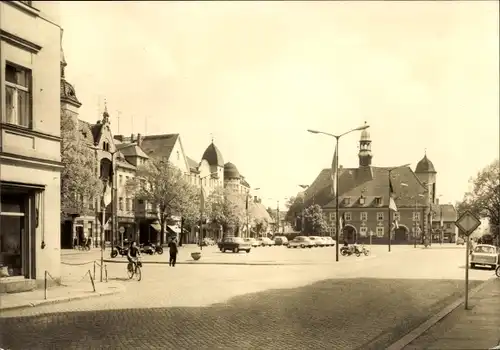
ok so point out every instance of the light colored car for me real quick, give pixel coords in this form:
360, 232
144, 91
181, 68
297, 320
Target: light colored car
266, 242
329, 241
302, 242
318, 241
281, 240
460, 241
486, 255
253, 242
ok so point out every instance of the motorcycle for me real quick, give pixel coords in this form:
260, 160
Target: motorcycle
150, 248
123, 251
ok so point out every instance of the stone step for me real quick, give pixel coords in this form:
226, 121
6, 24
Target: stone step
16, 284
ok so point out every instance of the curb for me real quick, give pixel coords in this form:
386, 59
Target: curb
232, 263
424, 327
58, 300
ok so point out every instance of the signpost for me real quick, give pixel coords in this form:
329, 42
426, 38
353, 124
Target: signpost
467, 222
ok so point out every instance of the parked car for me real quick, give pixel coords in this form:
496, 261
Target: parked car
266, 242
253, 242
318, 242
302, 242
234, 244
329, 241
486, 255
281, 240
460, 241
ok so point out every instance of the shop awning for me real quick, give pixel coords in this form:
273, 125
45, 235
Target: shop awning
174, 229
156, 225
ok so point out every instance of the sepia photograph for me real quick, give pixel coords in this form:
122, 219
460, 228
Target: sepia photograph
261, 175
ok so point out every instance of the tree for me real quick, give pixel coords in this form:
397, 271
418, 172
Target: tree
226, 208
484, 197
80, 182
165, 187
290, 201
314, 221
260, 225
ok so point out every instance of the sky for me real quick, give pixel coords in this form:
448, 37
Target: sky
256, 75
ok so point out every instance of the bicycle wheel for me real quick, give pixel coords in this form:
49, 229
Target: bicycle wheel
138, 273
130, 270
497, 271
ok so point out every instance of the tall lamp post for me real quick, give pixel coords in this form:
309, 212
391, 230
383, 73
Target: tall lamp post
202, 207
389, 221
302, 218
335, 168
246, 209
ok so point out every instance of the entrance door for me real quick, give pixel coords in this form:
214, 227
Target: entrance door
14, 243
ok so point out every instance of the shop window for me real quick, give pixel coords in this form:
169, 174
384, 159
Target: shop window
12, 232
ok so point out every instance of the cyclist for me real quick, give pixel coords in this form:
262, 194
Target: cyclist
133, 254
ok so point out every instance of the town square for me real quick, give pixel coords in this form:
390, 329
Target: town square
249, 175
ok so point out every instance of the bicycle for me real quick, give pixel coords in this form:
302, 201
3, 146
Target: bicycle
134, 272
497, 270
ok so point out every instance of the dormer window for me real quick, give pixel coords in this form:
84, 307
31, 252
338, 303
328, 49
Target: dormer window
378, 200
347, 201
362, 200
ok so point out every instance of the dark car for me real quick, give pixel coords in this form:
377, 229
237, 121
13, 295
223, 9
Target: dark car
234, 244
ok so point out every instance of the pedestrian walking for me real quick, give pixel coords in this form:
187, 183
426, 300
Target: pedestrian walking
173, 252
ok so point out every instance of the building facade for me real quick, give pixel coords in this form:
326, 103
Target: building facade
364, 194
30, 158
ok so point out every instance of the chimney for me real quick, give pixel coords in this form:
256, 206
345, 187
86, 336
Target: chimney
255, 199
139, 140
437, 201
131, 138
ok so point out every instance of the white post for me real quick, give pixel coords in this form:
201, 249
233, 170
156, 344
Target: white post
467, 249
102, 239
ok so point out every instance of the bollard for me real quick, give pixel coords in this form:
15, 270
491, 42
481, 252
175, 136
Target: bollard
45, 286
94, 269
106, 272
92, 281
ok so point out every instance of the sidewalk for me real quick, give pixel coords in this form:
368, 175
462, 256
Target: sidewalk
476, 328
57, 295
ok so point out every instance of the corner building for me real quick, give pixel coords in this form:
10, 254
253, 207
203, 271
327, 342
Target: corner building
30, 159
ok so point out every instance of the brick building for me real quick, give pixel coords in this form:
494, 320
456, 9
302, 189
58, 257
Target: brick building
364, 194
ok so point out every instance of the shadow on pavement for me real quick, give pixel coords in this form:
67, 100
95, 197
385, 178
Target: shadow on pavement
360, 313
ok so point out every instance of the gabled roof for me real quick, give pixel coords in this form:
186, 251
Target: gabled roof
85, 129
371, 182
131, 150
159, 145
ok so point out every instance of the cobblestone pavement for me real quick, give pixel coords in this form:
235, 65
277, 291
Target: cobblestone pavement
359, 304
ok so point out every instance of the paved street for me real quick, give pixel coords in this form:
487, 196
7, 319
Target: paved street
357, 303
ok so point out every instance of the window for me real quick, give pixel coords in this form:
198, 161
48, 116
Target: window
140, 201
347, 216
120, 203
332, 216
363, 231
416, 216
380, 232
333, 230
120, 180
397, 216
347, 201
378, 201
363, 216
380, 216
448, 225
18, 96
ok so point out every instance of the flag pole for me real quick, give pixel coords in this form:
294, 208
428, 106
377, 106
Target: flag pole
337, 218
389, 213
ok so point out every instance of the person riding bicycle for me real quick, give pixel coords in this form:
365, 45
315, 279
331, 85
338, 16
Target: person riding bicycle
356, 247
133, 254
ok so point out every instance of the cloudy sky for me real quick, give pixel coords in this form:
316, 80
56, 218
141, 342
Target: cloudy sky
257, 75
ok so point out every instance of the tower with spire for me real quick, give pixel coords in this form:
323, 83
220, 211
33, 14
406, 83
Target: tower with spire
69, 102
365, 149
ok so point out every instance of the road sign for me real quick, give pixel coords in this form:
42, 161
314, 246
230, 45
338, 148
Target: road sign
468, 222
121, 230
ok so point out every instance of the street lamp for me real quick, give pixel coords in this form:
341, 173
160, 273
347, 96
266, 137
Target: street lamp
202, 207
336, 180
389, 223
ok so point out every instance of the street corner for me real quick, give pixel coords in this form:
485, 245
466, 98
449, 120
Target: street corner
13, 302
